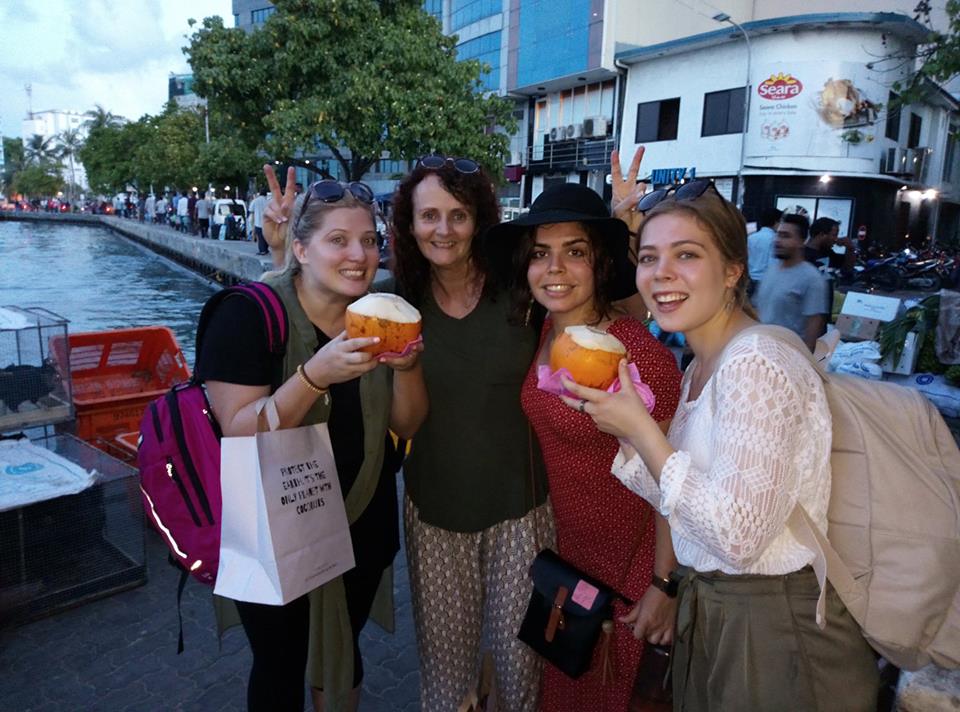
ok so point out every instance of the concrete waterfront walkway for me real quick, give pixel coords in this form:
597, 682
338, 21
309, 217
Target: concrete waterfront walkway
225, 261
119, 654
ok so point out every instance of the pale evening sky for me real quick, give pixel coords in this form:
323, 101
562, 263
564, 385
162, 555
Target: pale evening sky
77, 53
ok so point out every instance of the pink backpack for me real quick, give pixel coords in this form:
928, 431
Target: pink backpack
179, 453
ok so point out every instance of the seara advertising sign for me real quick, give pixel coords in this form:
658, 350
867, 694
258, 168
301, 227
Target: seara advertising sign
815, 109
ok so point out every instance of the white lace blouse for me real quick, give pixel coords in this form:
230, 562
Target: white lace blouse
755, 442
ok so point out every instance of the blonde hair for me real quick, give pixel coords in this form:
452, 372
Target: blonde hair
721, 219
301, 228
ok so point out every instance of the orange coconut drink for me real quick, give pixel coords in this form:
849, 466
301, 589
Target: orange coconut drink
591, 355
388, 316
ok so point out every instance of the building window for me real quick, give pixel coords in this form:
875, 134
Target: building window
236, 19
486, 49
433, 7
465, 12
258, 17
913, 138
892, 131
951, 170
657, 120
723, 112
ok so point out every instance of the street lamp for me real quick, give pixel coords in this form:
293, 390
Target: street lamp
724, 17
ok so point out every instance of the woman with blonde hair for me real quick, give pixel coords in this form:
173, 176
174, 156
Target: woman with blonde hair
331, 260
749, 442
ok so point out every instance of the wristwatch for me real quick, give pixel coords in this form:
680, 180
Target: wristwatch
667, 585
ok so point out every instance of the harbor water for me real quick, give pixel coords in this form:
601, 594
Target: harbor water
98, 279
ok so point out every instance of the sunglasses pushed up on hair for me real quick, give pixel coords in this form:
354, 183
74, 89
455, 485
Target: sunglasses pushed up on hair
332, 191
436, 161
688, 191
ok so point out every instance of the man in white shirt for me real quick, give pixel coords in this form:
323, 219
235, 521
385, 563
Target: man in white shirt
257, 207
183, 214
792, 291
760, 247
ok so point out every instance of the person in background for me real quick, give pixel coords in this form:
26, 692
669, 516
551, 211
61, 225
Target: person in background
192, 213
793, 293
475, 509
749, 442
573, 262
323, 376
183, 213
257, 206
160, 216
149, 208
760, 247
824, 234
202, 209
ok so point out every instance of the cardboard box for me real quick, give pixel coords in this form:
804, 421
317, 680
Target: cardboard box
857, 328
871, 306
908, 358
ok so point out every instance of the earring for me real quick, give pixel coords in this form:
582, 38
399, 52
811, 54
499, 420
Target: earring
526, 318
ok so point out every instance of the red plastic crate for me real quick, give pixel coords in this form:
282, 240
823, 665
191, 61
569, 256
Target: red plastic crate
117, 373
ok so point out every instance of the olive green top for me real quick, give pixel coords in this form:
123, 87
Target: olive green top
469, 467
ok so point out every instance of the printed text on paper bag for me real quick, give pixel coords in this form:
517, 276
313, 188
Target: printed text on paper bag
303, 486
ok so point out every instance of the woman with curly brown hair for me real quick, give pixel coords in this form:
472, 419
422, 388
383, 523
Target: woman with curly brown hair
475, 509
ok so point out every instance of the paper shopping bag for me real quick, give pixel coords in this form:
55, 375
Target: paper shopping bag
284, 529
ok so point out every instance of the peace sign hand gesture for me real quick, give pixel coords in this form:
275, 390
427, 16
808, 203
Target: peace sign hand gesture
627, 192
279, 208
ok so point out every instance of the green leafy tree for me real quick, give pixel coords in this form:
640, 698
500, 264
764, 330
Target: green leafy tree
14, 162
40, 149
100, 118
168, 154
109, 156
937, 58
68, 145
38, 180
359, 77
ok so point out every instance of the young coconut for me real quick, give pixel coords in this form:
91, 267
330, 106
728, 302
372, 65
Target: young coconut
388, 316
590, 355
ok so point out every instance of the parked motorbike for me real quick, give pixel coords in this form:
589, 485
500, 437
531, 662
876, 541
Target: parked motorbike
926, 272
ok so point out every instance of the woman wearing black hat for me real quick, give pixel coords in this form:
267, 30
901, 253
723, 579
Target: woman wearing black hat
571, 261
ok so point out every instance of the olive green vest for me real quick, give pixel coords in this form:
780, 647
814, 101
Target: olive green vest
330, 663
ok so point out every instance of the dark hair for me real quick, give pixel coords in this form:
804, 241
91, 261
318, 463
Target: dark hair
799, 220
769, 217
721, 219
474, 190
521, 298
821, 226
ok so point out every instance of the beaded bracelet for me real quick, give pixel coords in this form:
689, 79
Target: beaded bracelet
301, 372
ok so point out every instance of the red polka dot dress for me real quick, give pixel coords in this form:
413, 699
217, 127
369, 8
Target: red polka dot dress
599, 522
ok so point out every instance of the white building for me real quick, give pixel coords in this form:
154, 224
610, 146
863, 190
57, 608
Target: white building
821, 130
50, 124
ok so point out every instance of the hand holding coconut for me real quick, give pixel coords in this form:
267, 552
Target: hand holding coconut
393, 322
622, 414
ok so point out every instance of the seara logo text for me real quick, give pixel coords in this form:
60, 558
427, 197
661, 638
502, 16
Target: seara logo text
780, 86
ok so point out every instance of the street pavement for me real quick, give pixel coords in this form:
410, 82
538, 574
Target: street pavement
119, 654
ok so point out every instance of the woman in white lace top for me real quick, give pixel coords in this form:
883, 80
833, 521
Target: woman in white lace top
750, 439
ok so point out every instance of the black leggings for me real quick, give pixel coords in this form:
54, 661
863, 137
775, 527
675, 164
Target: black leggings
279, 638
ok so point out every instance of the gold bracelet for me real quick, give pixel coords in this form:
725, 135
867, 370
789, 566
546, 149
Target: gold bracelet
302, 373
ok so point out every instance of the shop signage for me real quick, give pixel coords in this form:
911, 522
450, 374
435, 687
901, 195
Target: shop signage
659, 176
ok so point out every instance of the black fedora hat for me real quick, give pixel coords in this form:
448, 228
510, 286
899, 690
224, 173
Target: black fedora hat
567, 202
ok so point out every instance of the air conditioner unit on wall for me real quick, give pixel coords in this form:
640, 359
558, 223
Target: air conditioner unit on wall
574, 130
595, 126
555, 134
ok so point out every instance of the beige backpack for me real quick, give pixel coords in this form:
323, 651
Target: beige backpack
892, 550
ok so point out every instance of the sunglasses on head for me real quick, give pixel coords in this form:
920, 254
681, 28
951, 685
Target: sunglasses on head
435, 162
688, 191
331, 191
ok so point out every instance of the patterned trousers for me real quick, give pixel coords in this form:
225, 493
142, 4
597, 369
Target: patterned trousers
461, 581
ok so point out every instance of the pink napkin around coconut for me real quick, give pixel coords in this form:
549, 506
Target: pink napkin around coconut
406, 349
550, 382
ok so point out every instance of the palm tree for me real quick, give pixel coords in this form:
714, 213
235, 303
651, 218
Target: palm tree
100, 118
68, 146
39, 149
